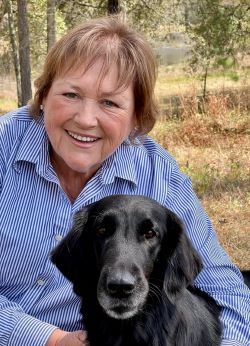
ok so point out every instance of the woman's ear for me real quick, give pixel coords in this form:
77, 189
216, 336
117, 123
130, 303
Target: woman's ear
66, 255
184, 263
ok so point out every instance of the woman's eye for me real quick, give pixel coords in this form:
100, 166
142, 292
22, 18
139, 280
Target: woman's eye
70, 95
109, 103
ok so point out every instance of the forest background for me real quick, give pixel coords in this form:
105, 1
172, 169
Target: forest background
203, 87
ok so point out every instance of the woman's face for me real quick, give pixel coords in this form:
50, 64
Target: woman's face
87, 120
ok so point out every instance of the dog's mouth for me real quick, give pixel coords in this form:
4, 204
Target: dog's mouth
121, 308
120, 311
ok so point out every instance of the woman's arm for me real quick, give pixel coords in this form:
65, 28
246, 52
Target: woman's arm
220, 277
18, 328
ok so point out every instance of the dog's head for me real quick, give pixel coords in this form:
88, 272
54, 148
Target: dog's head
119, 247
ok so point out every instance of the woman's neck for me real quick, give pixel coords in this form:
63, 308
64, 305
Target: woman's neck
72, 182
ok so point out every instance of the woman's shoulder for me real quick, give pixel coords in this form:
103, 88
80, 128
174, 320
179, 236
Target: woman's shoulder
13, 126
16, 116
14, 123
150, 148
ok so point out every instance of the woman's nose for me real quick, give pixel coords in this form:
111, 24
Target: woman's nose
87, 113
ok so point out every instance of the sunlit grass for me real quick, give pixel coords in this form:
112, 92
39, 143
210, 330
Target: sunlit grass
219, 166
212, 148
8, 99
7, 103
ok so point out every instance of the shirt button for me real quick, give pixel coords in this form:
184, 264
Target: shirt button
58, 237
40, 282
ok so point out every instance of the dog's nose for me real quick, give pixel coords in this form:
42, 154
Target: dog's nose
121, 283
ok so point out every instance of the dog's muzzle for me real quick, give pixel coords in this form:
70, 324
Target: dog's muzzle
120, 292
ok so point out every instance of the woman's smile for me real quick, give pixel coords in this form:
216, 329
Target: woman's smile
82, 138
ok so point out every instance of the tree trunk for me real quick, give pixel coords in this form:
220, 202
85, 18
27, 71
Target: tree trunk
51, 27
205, 83
23, 36
113, 7
14, 51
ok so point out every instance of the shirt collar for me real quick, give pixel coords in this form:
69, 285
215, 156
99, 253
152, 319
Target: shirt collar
120, 165
34, 146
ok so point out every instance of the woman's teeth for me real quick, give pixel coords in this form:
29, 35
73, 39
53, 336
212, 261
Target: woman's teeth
81, 138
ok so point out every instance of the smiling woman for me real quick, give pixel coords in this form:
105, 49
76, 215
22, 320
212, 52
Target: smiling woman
83, 125
84, 137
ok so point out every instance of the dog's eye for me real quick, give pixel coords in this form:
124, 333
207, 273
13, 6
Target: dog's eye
150, 234
101, 232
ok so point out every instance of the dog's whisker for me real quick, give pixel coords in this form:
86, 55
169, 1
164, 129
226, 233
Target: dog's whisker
155, 291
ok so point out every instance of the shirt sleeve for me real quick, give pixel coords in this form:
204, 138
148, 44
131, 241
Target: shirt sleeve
18, 328
220, 278
2, 165
232, 343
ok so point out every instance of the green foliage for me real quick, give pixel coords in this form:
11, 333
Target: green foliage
218, 31
76, 12
5, 53
148, 16
226, 63
37, 32
233, 76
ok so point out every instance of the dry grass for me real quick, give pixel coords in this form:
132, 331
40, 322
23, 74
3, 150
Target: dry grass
213, 149
221, 178
230, 215
8, 99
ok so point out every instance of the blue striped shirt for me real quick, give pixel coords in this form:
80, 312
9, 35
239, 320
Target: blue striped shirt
36, 213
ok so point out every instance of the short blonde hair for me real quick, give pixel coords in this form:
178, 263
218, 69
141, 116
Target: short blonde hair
112, 40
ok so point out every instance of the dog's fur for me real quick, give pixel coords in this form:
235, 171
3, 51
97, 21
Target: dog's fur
246, 276
130, 261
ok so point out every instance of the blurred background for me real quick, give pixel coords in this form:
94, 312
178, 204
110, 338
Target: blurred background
203, 87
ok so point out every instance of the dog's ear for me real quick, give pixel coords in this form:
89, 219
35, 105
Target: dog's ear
183, 263
66, 255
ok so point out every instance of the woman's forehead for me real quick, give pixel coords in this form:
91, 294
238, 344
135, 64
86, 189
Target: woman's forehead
109, 77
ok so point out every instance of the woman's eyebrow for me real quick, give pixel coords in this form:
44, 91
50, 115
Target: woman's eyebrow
101, 92
114, 92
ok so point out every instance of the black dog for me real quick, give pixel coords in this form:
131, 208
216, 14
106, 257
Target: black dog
246, 276
133, 265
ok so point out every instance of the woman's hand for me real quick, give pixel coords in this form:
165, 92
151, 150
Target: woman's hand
62, 338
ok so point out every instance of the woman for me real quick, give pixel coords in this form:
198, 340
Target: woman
78, 141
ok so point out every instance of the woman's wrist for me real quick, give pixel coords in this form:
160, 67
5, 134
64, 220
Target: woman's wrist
57, 335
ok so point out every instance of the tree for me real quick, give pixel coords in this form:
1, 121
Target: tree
113, 7
146, 15
75, 12
217, 31
23, 37
14, 51
51, 29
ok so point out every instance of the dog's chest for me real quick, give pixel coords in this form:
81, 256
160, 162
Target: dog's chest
127, 333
